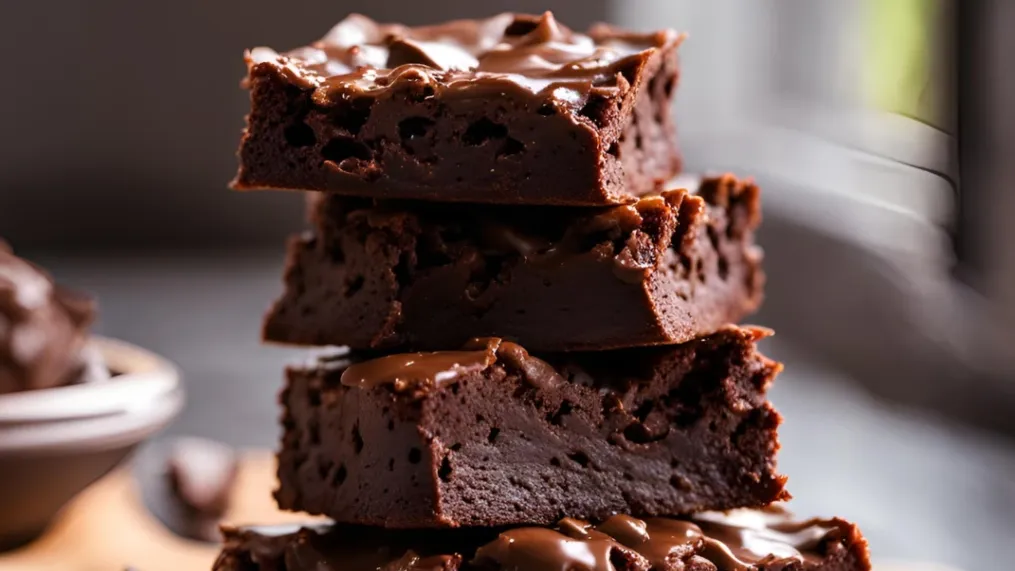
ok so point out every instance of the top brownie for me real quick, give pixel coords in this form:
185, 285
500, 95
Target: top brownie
514, 109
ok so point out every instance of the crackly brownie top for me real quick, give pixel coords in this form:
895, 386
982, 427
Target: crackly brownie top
476, 57
740, 540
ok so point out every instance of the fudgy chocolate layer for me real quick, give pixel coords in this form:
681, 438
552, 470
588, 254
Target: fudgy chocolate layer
490, 435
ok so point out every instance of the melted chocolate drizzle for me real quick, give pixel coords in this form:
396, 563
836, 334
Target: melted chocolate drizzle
740, 540
420, 371
576, 544
509, 51
542, 549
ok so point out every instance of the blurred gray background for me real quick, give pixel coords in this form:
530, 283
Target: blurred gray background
878, 129
121, 118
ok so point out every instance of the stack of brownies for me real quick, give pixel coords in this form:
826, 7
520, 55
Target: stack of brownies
541, 370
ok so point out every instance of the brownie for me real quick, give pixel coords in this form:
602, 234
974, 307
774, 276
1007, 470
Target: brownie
44, 330
514, 109
744, 540
421, 276
490, 435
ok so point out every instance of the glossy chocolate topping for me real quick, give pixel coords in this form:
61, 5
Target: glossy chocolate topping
43, 328
579, 545
534, 371
413, 372
661, 541
508, 51
541, 549
742, 540
419, 371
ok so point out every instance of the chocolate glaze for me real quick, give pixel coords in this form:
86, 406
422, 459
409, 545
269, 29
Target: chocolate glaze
659, 540
43, 328
579, 545
426, 370
742, 540
535, 54
536, 372
420, 371
541, 549
746, 538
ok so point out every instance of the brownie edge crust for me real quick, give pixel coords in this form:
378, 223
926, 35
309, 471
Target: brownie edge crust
492, 436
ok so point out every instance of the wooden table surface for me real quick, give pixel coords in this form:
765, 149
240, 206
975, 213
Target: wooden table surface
921, 488
108, 527
112, 508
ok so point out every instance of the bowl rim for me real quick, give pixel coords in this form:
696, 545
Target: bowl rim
144, 396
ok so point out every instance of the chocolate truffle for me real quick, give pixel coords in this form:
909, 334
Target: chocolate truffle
200, 475
43, 328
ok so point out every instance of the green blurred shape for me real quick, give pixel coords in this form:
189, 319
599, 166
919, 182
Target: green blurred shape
900, 36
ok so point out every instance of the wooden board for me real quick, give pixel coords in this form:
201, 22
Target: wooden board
107, 528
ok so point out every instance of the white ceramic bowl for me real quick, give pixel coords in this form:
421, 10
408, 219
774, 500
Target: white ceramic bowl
56, 442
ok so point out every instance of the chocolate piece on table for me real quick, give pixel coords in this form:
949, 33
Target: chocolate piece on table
415, 275
742, 540
43, 329
491, 435
200, 475
513, 109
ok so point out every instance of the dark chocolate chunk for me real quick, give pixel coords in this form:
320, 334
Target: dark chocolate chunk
513, 109
417, 276
769, 539
495, 436
43, 330
200, 475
